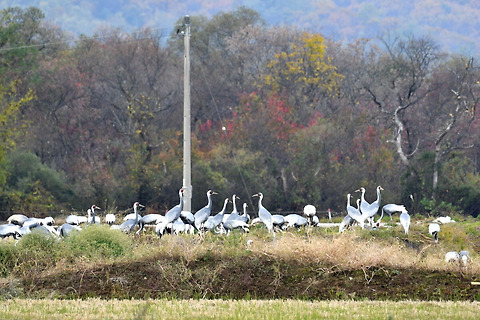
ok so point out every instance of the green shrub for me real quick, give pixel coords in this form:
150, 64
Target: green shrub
8, 257
37, 244
99, 241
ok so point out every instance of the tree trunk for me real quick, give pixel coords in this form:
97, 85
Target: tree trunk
436, 163
284, 181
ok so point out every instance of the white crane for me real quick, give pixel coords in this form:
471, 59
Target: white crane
278, 220
234, 215
294, 220
152, 218
48, 221
17, 219
44, 229
215, 221
464, 257
129, 225
264, 215
171, 215
202, 215
370, 210
434, 229
66, 228
452, 256
178, 226
91, 217
346, 223
110, 218
405, 221
355, 213
76, 220
310, 211
443, 220
187, 217
232, 224
245, 216
10, 230
392, 208
364, 205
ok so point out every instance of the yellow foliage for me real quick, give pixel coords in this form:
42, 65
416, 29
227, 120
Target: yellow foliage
306, 65
10, 105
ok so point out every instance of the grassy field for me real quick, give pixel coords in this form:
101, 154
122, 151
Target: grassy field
234, 309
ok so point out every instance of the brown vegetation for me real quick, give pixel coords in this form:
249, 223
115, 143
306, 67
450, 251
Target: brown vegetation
303, 265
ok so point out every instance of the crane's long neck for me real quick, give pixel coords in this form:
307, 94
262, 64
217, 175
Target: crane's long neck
379, 196
260, 198
209, 204
135, 209
234, 205
363, 195
348, 200
224, 207
93, 214
181, 201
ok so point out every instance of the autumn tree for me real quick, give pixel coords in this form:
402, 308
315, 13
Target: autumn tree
11, 124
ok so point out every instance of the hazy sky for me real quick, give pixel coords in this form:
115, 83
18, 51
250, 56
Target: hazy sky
453, 24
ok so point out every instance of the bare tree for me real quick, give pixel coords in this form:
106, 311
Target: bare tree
397, 83
452, 110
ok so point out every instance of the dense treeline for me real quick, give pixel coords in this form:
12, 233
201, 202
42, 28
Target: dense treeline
302, 118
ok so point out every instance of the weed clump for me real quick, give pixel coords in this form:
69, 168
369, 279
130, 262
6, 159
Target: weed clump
98, 241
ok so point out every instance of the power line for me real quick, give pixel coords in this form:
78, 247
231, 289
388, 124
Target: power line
97, 38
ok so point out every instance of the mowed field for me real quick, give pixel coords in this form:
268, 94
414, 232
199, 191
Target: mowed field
306, 273
234, 309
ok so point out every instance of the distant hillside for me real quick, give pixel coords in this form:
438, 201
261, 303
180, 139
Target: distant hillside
453, 24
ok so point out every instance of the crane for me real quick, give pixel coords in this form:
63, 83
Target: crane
233, 223
392, 208
310, 211
264, 215
355, 212
234, 214
17, 219
202, 215
452, 256
346, 223
245, 216
370, 210
66, 228
294, 220
464, 257
434, 229
405, 221
129, 225
110, 218
10, 230
171, 215
214, 221
91, 218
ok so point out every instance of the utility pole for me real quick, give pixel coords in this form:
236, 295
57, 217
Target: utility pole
187, 145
